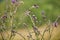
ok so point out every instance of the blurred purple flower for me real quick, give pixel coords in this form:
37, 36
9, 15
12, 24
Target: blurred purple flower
43, 12
55, 24
4, 17
13, 1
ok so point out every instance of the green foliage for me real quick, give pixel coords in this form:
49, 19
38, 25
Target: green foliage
51, 8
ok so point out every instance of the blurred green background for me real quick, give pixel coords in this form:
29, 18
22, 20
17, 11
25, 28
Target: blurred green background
51, 8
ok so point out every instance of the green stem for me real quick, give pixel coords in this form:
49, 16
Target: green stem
34, 25
21, 35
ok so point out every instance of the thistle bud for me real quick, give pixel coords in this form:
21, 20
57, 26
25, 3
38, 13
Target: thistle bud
27, 12
55, 24
4, 17
34, 17
35, 6
43, 15
13, 1
13, 31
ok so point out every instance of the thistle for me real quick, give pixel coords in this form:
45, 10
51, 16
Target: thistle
34, 18
35, 6
29, 33
55, 24
43, 15
14, 1
27, 12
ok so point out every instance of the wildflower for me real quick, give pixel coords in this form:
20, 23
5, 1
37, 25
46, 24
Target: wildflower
13, 1
43, 15
36, 31
34, 18
17, 2
4, 17
27, 12
35, 6
13, 31
55, 24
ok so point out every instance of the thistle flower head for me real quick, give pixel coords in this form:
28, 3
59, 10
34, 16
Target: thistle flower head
27, 12
4, 17
13, 31
35, 6
43, 12
13, 1
55, 24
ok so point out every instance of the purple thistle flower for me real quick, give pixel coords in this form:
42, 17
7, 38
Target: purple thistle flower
4, 17
55, 24
36, 31
13, 1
